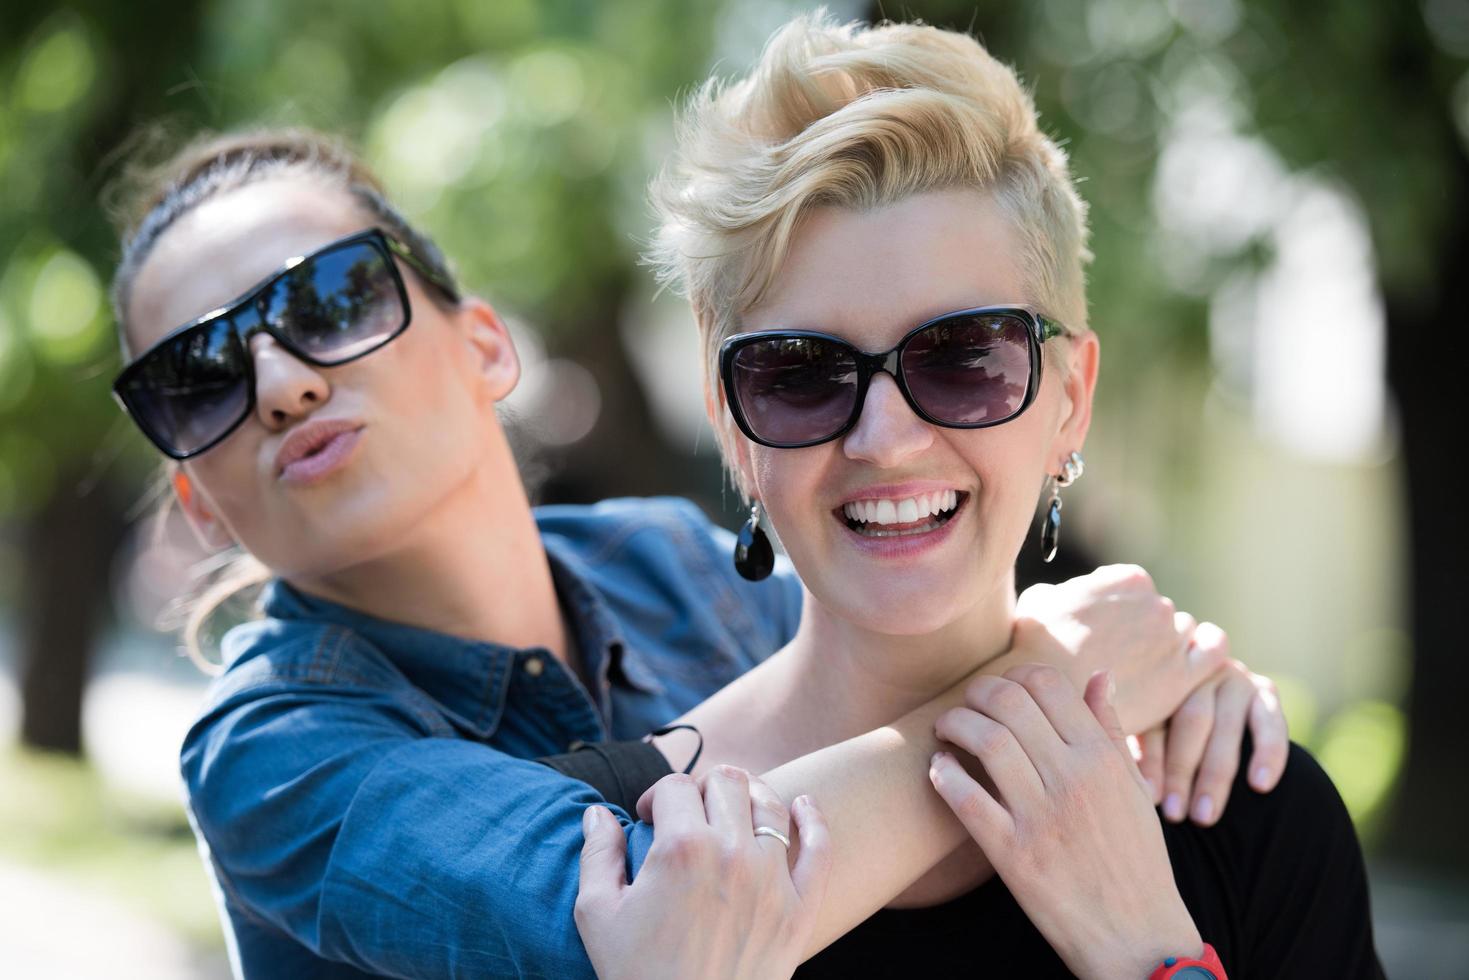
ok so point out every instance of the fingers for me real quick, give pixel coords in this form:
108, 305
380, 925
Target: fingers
813, 863
1014, 706
603, 867
767, 809
727, 805
1270, 734
1100, 695
1153, 743
1057, 698
1209, 651
995, 746
985, 819
1188, 732
676, 807
1221, 756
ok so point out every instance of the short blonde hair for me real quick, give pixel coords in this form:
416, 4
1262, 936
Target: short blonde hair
859, 117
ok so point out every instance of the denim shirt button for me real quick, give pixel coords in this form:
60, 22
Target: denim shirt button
534, 666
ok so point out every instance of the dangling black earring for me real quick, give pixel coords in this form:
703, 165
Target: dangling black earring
754, 558
1071, 471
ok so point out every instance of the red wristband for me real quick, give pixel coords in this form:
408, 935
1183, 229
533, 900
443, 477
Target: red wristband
1188, 968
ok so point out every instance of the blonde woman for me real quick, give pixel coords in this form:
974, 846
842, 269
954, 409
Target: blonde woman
884, 254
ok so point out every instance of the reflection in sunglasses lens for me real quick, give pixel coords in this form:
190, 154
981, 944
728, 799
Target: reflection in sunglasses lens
970, 370
194, 388
795, 389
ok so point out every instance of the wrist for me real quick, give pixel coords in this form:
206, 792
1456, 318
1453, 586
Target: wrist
1141, 958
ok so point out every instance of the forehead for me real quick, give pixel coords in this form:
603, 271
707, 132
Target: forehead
222, 247
871, 275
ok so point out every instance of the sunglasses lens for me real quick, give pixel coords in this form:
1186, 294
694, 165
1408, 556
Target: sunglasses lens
971, 369
189, 392
337, 305
794, 390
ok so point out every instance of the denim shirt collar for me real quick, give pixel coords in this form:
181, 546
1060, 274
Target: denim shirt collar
471, 678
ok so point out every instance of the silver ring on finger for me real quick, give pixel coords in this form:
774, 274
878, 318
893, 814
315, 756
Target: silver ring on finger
763, 831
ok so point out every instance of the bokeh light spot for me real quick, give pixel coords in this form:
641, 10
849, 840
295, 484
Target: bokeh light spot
65, 301
1362, 750
57, 71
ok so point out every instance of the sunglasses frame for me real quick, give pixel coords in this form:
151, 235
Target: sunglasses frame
387, 245
1039, 329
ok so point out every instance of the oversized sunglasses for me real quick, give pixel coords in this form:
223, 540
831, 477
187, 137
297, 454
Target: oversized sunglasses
964, 370
345, 300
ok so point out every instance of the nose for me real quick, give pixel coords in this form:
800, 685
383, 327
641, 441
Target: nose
888, 432
287, 389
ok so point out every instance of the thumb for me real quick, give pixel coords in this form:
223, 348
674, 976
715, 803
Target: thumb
603, 871
1099, 697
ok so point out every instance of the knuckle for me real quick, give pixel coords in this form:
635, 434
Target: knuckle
1196, 709
1005, 696
993, 740
1046, 678
676, 779
979, 688
684, 849
732, 773
969, 806
1126, 573
1218, 774
736, 864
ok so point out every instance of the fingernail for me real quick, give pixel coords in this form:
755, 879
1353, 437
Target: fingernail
802, 801
1203, 809
1173, 807
1262, 777
1111, 688
588, 819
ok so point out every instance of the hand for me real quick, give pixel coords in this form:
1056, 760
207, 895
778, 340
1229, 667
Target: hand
1190, 763
1066, 820
1114, 619
712, 899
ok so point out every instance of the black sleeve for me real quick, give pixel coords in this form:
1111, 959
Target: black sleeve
620, 771
1309, 914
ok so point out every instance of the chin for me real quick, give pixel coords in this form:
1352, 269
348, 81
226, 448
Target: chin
899, 606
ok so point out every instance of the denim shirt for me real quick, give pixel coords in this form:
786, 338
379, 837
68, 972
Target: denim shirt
365, 793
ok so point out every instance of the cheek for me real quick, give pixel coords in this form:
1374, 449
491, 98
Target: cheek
785, 483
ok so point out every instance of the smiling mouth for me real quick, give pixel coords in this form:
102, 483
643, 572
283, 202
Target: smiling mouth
885, 518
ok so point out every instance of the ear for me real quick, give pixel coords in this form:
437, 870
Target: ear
208, 528
496, 361
1079, 385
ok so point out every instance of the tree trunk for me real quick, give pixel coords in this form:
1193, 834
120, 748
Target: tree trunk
68, 549
1427, 824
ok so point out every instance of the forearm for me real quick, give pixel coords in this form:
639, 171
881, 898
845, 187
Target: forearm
887, 825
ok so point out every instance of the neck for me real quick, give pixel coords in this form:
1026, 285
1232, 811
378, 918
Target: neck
848, 679
461, 573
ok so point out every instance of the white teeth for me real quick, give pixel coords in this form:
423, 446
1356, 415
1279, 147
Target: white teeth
904, 511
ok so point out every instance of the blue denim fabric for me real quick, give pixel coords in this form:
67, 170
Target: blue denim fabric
364, 791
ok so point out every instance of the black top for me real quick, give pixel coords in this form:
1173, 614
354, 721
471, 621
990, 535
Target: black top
1277, 887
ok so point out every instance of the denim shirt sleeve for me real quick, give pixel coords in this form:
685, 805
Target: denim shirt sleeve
362, 826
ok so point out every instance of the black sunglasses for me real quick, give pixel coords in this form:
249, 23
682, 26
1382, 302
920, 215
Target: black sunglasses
788, 389
345, 300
